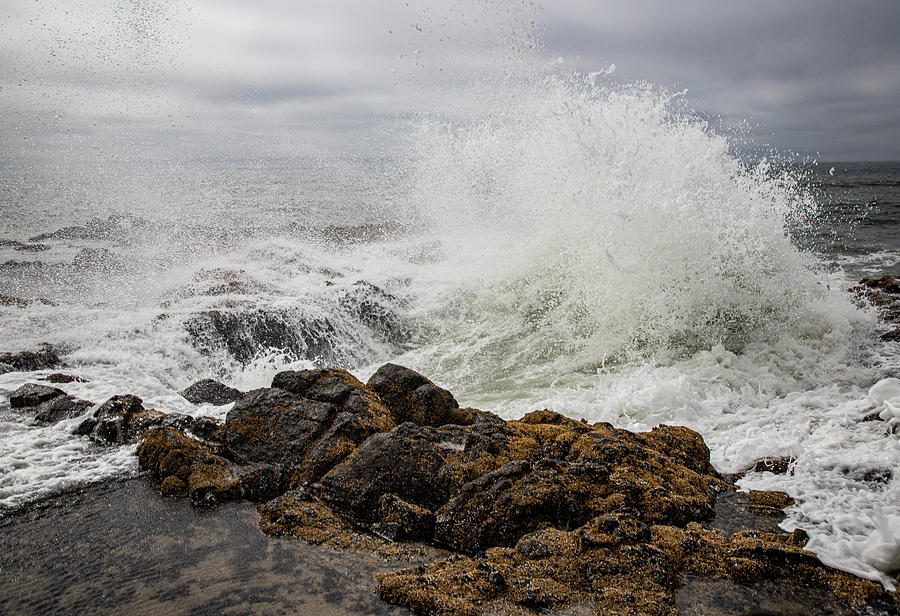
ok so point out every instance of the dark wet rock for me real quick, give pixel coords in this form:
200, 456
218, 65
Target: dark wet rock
99, 260
32, 394
873, 475
377, 310
352, 234
401, 462
23, 247
18, 302
27, 361
119, 420
308, 422
209, 391
204, 428
884, 294
778, 466
61, 407
110, 228
885, 284
401, 520
274, 424
220, 281
245, 333
412, 397
187, 467
334, 329
24, 267
59, 377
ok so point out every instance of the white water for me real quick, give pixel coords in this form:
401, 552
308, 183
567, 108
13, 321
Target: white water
582, 246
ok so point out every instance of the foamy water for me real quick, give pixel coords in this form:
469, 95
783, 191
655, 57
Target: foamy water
585, 247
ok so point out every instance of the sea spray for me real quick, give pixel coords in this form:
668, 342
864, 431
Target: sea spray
595, 252
600, 229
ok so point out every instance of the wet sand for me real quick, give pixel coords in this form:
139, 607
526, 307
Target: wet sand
121, 548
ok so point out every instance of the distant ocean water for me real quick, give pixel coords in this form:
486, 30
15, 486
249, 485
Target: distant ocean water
584, 250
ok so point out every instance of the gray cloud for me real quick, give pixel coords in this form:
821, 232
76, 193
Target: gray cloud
210, 78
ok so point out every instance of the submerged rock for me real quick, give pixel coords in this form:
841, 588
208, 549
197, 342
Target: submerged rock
24, 247
110, 228
209, 391
541, 514
59, 377
18, 302
99, 260
32, 394
50, 404
61, 407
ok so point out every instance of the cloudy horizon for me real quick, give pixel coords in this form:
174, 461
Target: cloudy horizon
95, 79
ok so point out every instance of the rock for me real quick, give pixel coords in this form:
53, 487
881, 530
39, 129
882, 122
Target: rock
769, 502
58, 377
61, 407
402, 462
401, 520
32, 394
21, 246
209, 391
778, 466
307, 422
119, 420
28, 361
377, 310
185, 466
203, 427
274, 425
886, 284
246, 333
7, 300
99, 260
615, 564
112, 227
219, 281
412, 397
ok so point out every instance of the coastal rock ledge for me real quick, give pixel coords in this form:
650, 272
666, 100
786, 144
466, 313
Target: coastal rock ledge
544, 514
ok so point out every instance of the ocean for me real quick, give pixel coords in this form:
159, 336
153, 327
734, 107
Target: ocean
586, 249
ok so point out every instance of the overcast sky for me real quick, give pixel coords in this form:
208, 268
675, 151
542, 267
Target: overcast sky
95, 78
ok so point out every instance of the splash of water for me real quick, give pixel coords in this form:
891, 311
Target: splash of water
588, 225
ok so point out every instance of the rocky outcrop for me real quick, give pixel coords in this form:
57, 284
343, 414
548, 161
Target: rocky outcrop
22, 246
26, 361
119, 420
209, 391
884, 294
412, 397
19, 302
541, 514
110, 228
49, 404
32, 394
244, 333
335, 329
